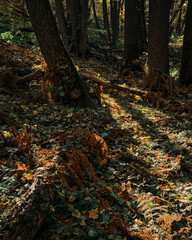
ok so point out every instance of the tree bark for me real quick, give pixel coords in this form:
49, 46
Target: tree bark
79, 20
106, 20
186, 63
143, 34
26, 219
115, 9
83, 27
62, 22
63, 72
74, 6
131, 31
95, 15
158, 37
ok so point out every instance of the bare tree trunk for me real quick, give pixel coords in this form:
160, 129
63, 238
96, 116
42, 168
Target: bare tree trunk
115, 9
95, 15
83, 27
106, 20
74, 5
62, 22
143, 34
179, 23
131, 31
186, 64
79, 19
158, 38
65, 78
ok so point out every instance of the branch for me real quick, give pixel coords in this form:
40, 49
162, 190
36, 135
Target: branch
27, 78
113, 86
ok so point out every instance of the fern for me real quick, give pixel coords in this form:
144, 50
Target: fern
148, 208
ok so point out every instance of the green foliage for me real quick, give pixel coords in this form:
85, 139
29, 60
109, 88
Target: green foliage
175, 37
19, 37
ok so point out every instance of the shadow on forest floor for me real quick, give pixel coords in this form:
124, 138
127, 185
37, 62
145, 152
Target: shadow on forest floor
123, 166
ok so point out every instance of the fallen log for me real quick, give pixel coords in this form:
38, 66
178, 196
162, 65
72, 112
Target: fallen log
155, 98
112, 85
26, 218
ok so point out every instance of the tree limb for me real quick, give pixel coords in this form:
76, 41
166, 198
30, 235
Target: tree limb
112, 85
27, 78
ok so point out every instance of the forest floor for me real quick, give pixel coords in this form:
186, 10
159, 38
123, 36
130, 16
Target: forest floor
120, 170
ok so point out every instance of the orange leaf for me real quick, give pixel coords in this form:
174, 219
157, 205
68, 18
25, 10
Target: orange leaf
71, 199
21, 167
103, 162
93, 213
28, 176
162, 187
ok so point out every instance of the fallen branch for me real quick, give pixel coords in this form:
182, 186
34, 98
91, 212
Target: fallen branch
113, 86
27, 78
156, 98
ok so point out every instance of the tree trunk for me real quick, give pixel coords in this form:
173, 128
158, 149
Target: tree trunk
115, 9
62, 22
143, 34
158, 38
79, 19
106, 21
26, 219
64, 76
95, 15
186, 63
131, 31
74, 5
83, 27
179, 23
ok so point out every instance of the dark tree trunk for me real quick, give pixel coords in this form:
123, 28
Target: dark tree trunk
106, 20
74, 20
179, 23
143, 35
115, 10
131, 31
186, 63
83, 27
158, 38
95, 15
65, 78
62, 22
79, 19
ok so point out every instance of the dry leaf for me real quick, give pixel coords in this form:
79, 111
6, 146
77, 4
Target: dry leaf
71, 199
93, 213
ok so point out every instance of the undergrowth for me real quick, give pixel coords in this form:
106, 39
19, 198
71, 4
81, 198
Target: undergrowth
121, 170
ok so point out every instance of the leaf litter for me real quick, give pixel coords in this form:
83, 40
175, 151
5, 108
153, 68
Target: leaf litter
121, 170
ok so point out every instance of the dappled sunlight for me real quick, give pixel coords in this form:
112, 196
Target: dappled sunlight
91, 146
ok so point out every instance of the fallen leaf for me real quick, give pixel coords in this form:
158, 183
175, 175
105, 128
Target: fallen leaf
93, 213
